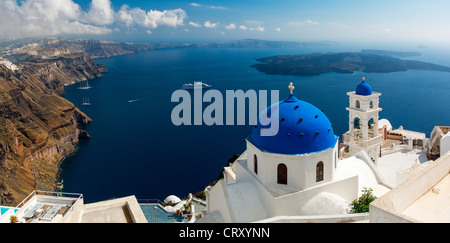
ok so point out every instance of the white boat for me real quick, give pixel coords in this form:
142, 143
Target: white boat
86, 101
196, 85
85, 86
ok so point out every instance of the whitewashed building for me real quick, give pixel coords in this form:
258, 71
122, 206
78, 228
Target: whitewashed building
296, 175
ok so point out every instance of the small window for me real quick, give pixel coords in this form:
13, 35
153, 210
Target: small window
371, 104
356, 123
255, 164
370, 123
357, 104
319, 171
282, 174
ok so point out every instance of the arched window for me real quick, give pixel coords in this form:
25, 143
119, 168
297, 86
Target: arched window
319, 171
356, 123
255, 164
282, 174
370, 123
357, 104
371, 104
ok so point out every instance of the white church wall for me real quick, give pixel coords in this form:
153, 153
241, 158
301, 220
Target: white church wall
445, 144
217, 200
301, 169
247, 203
251, 151
290, 204
293, 204
246, 175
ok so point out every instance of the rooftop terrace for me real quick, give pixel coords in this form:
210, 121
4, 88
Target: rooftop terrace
41, 206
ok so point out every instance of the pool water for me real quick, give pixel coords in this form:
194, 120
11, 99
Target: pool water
5, 209
155, 214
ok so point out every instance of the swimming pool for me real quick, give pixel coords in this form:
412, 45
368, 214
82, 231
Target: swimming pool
3, 210
155, 214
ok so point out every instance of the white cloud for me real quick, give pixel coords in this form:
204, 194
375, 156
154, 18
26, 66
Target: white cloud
258, 28
208, 24
195, 24
277, 29
100, 12
217, 7
230, 26
209, 6
252, 28
302, 23
124, 16
38, 18
151, 19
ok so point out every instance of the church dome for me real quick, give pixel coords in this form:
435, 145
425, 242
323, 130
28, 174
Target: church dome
172, 199
303, 129
363, 89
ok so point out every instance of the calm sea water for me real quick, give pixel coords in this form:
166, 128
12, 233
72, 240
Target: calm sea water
136, 150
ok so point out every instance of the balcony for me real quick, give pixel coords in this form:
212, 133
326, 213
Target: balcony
47, 207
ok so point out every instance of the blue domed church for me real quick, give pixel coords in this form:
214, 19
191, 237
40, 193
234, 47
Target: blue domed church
295, 171
305, 141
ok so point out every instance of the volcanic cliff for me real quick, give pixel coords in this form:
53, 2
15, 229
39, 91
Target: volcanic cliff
38, 127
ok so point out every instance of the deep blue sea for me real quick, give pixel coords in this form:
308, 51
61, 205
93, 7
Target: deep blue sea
136, 150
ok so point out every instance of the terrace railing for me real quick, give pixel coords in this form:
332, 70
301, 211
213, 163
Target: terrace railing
75, 196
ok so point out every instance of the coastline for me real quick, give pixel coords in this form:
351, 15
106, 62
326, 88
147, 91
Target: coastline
34, 162
40, 127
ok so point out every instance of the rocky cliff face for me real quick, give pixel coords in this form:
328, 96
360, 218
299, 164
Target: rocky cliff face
38, 128
66, 69
97, 48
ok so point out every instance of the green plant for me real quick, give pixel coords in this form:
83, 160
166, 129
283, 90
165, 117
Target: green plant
13, 219
201, 195
361, 205
187, 208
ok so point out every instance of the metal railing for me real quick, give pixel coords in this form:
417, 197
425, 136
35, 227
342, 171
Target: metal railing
75, 196
155, 216
149, 201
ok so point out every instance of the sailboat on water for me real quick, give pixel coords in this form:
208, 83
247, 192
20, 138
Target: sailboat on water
86, 101
84, 85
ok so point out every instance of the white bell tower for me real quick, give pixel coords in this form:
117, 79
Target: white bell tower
363, 122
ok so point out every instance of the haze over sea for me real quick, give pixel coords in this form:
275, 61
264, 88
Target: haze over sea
136, 150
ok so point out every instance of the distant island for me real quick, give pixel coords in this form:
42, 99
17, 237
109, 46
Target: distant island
255, 43
345, 62
391, 53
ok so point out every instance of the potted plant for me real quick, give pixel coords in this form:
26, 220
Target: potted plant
13, 219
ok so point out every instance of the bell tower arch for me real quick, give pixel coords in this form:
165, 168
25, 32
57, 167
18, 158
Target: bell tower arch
363, 121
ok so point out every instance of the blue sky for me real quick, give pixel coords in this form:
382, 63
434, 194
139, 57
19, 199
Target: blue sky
414, 21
